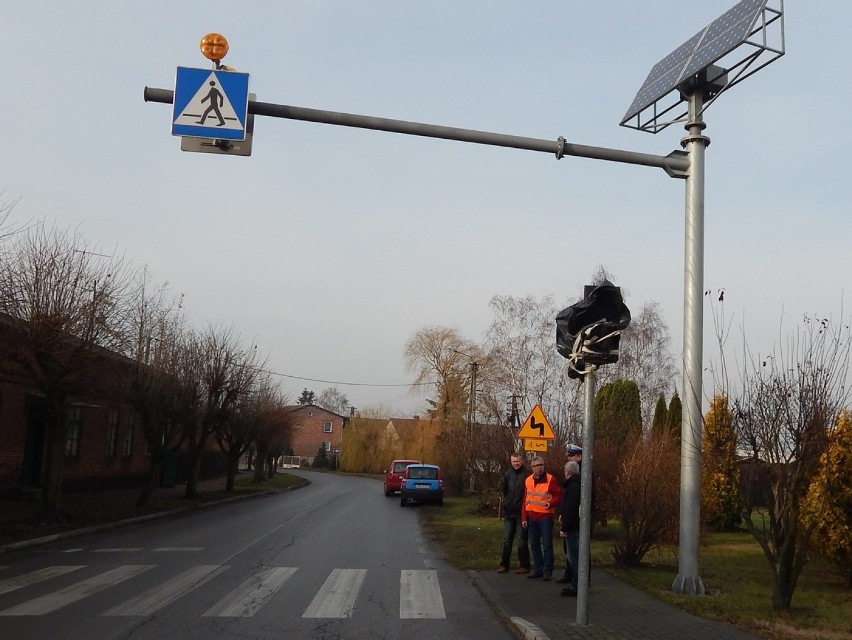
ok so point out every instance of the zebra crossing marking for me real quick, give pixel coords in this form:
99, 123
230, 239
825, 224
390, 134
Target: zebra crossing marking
78, 591
34, 577
336, 598
251, 595
154, 599
420, 594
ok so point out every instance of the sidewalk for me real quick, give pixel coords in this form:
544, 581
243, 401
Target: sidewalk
616, 611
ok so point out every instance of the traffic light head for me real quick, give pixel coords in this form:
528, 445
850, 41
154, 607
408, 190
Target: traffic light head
589, 332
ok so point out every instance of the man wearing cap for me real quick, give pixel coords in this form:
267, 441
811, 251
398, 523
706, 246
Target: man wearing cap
541, 499
575, 453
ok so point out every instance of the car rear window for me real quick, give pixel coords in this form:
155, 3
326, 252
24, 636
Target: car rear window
399, 467
423, 473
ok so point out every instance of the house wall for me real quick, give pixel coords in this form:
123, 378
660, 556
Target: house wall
308, 432
19, 399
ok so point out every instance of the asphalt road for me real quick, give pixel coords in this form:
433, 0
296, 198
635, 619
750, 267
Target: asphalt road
336, 559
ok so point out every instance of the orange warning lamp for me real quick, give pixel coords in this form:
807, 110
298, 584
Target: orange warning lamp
214, 47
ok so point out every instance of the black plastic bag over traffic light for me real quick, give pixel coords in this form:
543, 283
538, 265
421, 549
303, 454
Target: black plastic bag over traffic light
588, 332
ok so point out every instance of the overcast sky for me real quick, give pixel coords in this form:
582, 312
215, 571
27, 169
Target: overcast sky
331, 246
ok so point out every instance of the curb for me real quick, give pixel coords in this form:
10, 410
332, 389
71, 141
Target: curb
108, 526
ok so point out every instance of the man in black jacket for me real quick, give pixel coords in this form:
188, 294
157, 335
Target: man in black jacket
513, 496
569, 518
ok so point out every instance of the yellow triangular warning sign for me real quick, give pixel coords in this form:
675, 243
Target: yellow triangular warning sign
536, 426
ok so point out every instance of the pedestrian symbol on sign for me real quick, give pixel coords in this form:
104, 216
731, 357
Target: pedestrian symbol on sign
216, 100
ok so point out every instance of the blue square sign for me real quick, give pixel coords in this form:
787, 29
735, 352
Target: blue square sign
210, 103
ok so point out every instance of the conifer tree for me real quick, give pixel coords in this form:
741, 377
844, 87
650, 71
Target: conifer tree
674, 416
658, 425
722, 503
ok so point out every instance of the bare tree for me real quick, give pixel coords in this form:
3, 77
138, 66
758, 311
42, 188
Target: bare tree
441, 356
227, 373
784, 416
71, 303
645, 357
333, 400
155, 387
258, 418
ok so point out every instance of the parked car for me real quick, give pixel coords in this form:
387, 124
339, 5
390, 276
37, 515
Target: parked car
393, 475
423, 483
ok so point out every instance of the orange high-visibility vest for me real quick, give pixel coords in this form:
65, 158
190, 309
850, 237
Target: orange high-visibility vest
534, 499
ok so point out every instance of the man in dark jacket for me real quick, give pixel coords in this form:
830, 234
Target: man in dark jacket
569, 518
512, 488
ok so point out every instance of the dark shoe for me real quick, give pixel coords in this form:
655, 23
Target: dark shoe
562, 580
522, 570
568, 592
534, 576
502, 570
547, 576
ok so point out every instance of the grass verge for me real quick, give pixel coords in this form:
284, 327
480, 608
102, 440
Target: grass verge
733, 568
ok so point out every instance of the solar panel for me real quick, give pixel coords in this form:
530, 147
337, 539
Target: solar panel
713, 42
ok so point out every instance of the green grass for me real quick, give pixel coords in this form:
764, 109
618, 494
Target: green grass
734, 570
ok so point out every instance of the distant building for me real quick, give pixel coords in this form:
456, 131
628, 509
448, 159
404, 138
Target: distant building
315, 427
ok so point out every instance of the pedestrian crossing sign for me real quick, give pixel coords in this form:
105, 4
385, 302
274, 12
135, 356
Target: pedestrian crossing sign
210, 103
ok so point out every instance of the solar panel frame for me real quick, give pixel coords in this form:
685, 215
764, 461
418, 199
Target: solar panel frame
706, 47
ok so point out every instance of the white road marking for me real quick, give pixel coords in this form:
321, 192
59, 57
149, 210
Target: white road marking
11, 584
74, 592
420, 595
251, 595
336, 598
167, 592
179, 549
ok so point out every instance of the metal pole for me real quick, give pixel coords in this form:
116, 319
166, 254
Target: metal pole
675, 164
687, 580
583, 560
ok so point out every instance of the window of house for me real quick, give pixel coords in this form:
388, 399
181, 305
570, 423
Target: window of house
112, 433
74, 423
326, 445
127, 440
326, 427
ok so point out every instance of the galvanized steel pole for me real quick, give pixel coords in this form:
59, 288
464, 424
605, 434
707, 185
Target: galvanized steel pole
584, 559
688, 580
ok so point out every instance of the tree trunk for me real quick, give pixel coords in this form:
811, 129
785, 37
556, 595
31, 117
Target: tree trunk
193, 472
233, 467
151, 483
260, 464
54, 461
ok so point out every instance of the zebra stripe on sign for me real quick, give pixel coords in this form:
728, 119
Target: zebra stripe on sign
336, 598
420, 595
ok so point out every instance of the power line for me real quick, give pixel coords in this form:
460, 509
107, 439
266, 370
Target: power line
348, 384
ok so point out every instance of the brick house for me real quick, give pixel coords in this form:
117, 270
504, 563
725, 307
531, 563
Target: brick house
315, 427
103, 439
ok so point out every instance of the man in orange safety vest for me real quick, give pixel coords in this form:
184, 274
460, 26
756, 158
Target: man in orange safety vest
542, 494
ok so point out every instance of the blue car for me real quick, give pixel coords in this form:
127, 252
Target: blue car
422, 483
